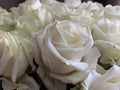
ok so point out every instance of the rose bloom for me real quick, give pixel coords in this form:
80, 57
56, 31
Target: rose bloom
107, 29
106, 33
63, 44
86, 13
108, 81
112, 12
14, 54
31, 16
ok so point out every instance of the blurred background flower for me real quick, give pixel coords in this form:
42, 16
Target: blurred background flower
7, 4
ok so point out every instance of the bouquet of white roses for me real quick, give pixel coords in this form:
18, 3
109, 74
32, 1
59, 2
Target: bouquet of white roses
70, 45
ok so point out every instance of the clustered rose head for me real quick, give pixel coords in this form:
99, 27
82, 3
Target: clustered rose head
70, 42
82, 40
63, 44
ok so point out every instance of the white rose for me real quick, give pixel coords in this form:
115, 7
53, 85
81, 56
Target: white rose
6, 18
34, 20
108, 81
106, 33
107, 29
86, 13
110, 53
31, 16
25, 7
63, 44
59, 9
112, 12
15, 53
